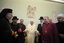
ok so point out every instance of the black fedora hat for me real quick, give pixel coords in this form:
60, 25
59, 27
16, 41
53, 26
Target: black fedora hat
15, 17
41, 18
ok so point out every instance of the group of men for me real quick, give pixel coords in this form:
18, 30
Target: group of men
46, 32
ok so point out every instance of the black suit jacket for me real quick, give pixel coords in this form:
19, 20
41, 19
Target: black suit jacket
40, 31
14, 26
39, 28
60, 27
5, 32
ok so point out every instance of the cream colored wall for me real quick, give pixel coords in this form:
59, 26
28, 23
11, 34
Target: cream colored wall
43, 8
63, 9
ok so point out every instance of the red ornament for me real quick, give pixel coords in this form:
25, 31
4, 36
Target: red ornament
19, 30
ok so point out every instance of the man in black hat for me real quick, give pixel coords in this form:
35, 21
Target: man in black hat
15, 27
60, 27
5, 28
40, 29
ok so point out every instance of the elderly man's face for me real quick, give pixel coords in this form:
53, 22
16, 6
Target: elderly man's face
60, 19
31, 22
21, 21
46, 20
41, 21
9, 15
15, 20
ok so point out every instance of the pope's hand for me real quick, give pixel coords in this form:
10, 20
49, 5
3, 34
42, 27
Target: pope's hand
24, 31
38, 33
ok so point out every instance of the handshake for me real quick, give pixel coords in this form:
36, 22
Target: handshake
14, 34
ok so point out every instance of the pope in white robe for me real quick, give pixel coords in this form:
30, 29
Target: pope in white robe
31, 32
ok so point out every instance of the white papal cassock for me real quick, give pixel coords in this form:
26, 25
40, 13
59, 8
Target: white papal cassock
31, 32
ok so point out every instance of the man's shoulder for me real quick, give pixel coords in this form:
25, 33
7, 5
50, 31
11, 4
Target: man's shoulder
39, 24
2, 20
23, 24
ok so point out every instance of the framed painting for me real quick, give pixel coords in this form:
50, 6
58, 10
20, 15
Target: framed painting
31, 11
